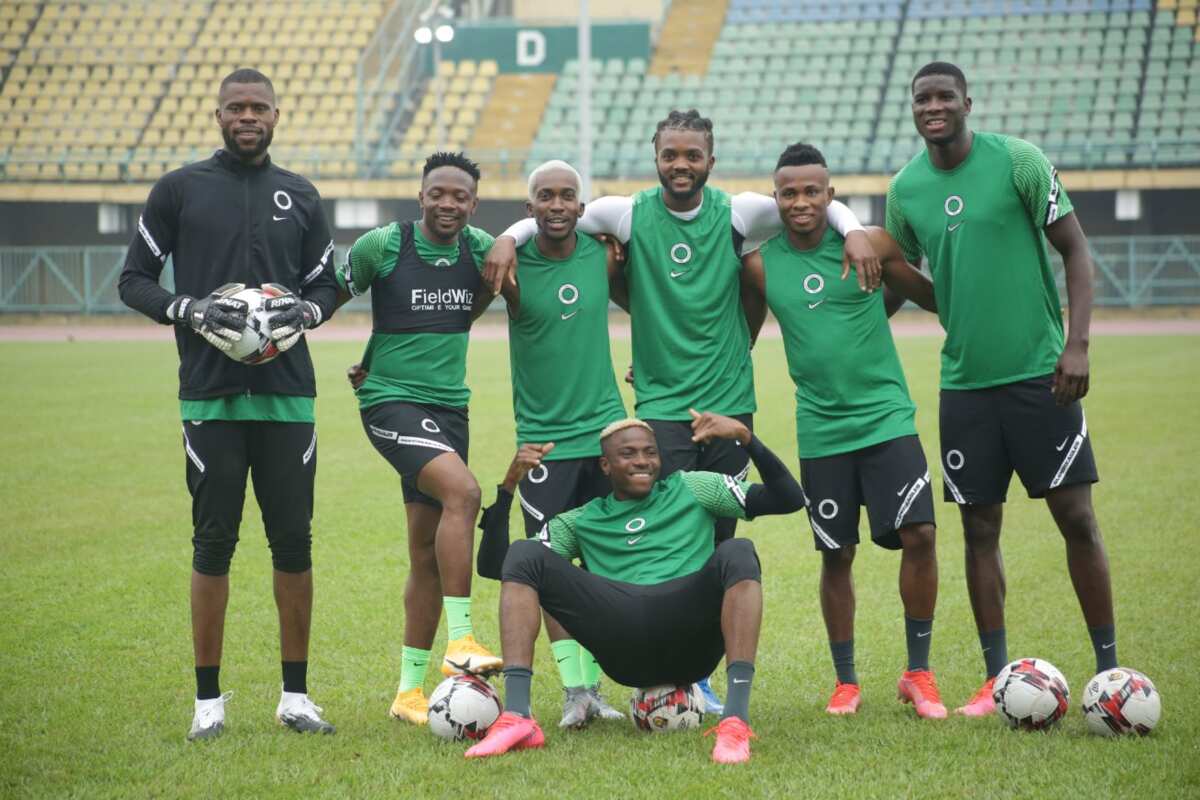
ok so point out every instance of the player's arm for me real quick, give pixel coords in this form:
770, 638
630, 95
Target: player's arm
754, 293
758, 216
618, 285
218, 318
493, 546
318, 297
1050, 209
779, 493
480, 242
606, 215
902, 281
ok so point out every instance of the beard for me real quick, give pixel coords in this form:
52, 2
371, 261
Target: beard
247, 154
697, 186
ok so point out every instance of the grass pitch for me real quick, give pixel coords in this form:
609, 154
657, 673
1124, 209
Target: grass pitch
95, 654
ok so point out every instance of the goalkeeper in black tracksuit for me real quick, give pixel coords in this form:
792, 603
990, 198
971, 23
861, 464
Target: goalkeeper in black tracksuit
232, 221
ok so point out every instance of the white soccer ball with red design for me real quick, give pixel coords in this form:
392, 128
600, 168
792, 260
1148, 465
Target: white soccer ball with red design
1031, 694
255, 346
667, 708
1120, 701
463, 707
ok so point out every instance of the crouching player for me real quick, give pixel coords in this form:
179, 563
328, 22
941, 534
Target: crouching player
659, 603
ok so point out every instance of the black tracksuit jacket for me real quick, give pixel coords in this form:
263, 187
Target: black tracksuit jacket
222, 221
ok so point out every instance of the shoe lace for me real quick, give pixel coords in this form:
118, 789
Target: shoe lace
844, 693
213, 711
984, 691
413, 698
927, 684
467, 644
732, 728
307, 708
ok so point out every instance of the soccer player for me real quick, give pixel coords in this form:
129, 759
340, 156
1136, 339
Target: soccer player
425, 292
980, 206
854, 419
564, 390
231, 220
649, 547
691, 341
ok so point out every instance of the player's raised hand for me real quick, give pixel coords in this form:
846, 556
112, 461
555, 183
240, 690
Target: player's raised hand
219, 318
615, 247
1071, 377
500, 264
356, 375
528, 457
290, 316
859, 253
709, 426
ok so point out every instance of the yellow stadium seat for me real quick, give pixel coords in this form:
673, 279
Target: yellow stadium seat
488, 68
467, 68
446, 69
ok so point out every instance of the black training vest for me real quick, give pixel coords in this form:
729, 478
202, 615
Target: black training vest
418, 297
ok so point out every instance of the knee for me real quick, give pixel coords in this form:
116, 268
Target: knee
524, 561
981, 529
839, 560
738, 561
464, 499
1077, 522
212, 554
920, 540
291, 552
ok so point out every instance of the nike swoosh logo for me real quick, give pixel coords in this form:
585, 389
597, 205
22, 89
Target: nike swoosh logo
902, 488
634, 539
564, 658
676, 274
1108, 646
568, 316
1061, 446
735, 680
278, 219
954, 227
814, 305
923, 635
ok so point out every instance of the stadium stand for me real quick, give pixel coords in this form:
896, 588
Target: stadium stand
1099, 84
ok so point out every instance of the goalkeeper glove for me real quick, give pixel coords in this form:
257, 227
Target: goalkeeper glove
219, 318
290, 316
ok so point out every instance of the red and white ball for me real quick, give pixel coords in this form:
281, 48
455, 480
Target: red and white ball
463, 707
1031, 694
667, 708
255, 346
1121, 701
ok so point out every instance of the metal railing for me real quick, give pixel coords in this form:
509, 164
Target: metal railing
1131, 272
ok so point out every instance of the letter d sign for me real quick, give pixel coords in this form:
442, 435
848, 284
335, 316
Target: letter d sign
531, 48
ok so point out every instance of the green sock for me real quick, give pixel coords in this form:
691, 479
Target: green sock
566, 653
589, 668
458, 616
413, 661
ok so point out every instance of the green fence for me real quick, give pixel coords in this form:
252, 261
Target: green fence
1131, 272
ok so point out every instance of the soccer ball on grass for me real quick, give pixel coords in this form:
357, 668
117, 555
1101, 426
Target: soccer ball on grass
463, 707
667, 708
1031, 694
1120, 701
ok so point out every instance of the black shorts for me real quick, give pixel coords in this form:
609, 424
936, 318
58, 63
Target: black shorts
558, 486
281, 459
890, 478
641, 635
410, 435
987, 433
678, 451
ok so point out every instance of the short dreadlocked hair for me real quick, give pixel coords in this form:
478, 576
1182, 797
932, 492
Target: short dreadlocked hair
443, 158
685, 121
799, 155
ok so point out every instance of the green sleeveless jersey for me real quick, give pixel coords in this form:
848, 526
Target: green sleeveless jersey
850, 388
564, 390
691, 346
667, 534
980, 225
421, 298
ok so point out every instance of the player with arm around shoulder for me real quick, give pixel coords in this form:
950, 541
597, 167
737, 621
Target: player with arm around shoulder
981, 207
854, 420
651, 557
425, 292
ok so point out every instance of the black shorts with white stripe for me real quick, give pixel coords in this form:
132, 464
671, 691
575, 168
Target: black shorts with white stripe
890, 478
410, 435
557, 486
988, 433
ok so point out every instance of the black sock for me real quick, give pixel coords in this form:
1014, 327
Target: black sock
739, 676
517, 681
843, 661
208, 682
918, 633
1104, 642
995, 650
295, 676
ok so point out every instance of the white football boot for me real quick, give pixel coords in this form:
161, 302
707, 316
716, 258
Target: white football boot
209, 719
302, 715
